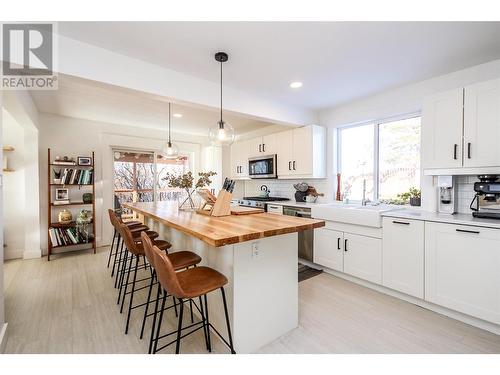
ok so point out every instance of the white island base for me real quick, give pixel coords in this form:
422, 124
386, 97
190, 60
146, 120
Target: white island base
262, 293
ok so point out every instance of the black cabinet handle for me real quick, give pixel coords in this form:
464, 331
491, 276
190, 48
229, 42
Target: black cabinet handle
400, 222
345, 244
263, 147
467, 231
294, 165
338, 243
289, 165
455, 147
468, 150
260, 148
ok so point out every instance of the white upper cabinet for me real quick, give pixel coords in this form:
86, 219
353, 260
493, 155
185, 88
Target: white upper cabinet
302, 152
442, 130
403, 255
265, 145
482, 124
461, 129
240, 152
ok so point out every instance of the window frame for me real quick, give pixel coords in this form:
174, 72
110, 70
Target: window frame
376, 151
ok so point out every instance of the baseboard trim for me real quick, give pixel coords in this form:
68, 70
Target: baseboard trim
3, 337
32, 254
478, 323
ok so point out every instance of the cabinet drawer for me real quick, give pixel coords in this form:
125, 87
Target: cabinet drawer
403, 255
462, 269
275, 209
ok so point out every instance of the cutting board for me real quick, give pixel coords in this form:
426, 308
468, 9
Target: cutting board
238, 210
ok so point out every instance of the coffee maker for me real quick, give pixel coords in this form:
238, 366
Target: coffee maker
447, 195
484, 204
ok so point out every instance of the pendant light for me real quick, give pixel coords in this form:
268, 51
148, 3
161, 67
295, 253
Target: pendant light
223, 133
170, 151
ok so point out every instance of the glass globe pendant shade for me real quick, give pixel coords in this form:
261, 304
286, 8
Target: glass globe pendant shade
170, 150
222, 134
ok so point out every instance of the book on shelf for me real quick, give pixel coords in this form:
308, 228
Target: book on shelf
60, 202
58, 162
68, 236
72, 176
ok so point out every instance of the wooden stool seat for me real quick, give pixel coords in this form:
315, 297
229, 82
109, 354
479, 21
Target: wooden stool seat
138, 229
183, 259
132, 223
150, 233
198, 281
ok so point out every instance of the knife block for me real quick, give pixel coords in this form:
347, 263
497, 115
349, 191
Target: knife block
222, 206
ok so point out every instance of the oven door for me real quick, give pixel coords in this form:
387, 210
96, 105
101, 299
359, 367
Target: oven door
262, 167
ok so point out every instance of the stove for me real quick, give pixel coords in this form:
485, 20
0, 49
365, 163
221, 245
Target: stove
259, 202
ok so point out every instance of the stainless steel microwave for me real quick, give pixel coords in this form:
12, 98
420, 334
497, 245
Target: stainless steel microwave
262, 167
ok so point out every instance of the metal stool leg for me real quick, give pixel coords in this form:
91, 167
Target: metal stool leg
151, 336
129, 268
179, 327
204, 322
131, 299
120, 274
147, 305
111, 248
208, 325
227, 321
159, 322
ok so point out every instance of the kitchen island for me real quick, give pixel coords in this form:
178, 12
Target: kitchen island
258, 254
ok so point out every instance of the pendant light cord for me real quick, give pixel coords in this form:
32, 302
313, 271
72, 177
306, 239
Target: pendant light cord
221, 124
169, 140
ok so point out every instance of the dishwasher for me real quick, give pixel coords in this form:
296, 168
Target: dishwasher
306, 237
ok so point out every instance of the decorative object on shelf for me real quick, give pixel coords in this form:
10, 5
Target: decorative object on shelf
223, 133
87, 197
413, 195
84, 161
65, 217
65, 160
83, 220
169, 149
301, 193
185, 182
337, 196
62, 194
57, 176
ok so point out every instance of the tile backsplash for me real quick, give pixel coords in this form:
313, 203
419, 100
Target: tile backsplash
465, 192
284, 188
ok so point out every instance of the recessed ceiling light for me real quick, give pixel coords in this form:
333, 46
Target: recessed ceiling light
178, 115
295, 85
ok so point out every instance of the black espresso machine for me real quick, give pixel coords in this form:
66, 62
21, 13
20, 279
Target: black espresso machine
487, 188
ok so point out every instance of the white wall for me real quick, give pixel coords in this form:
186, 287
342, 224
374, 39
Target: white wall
398, 101
3, 325
14, 189
76, 137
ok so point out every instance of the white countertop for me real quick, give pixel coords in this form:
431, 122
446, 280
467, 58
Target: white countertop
465, 219
292, 203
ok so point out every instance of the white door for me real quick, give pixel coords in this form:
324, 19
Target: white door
254, 147
302, 162
269, 144
482, 124
462, 269
403, 255
284, 154
442, 126
329, 248
363, 257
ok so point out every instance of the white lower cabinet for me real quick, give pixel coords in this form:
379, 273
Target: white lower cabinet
363, 257
462, 269
403, 255
329, 248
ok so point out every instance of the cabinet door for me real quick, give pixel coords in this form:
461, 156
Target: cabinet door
363, 257
329, 248
403, 255
482, 124
254, 147
462, 269
269, 144
284, 154
235, 159
244, 154
302, 146
442, 126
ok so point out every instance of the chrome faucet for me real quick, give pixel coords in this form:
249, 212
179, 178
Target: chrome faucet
365, 200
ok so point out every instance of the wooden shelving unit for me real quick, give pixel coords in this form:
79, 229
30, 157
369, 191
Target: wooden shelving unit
52, 207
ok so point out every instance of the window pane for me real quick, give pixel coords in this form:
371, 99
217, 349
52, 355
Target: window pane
356, 160
164, 165
399, 157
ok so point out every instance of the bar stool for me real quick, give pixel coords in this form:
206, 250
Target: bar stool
136, 231
136, 249
116, 235
180, 260
187, 285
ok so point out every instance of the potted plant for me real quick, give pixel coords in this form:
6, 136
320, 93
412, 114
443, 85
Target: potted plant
185, 182
413, 195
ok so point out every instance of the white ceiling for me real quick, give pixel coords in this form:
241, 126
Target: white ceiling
336, 61
94, 101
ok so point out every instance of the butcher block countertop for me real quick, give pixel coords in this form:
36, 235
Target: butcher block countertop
226, 230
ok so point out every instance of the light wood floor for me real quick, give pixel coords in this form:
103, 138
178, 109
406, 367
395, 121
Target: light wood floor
68, 305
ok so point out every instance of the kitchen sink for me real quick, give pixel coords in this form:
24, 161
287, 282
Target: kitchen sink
356, 214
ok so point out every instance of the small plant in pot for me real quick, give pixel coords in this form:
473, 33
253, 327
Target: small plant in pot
413, 195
